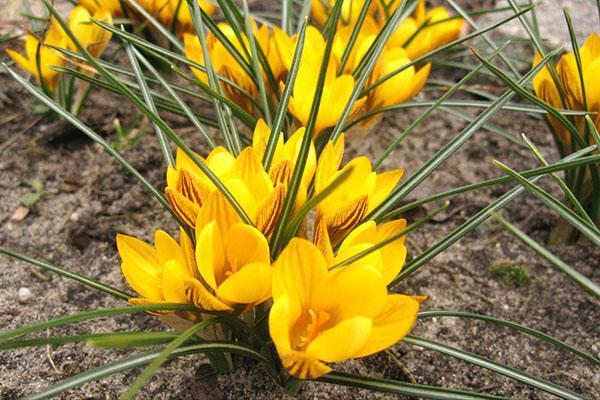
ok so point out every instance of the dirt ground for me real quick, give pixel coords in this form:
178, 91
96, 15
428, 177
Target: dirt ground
88, 198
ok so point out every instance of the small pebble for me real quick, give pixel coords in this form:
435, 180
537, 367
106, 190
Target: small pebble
24, 295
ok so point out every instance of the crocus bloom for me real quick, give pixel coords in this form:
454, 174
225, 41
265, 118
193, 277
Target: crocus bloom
428, 38
350, 10
48, 56
91, 36
188, 187
155, 272
358, 195
232, 257
388, 260
321, 316
545, 87
227, 66
337, 90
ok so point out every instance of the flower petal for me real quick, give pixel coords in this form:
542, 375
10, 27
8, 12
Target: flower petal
199, 296
210, 256
342, 341
394, 322
249, 285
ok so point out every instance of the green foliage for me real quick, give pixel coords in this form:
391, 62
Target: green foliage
512, 274
31, 198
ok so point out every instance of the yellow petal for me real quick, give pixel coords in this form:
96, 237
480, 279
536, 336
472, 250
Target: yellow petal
394, 253
199, 296
245, 245
349, 292
268, 211
187, 247
192, 187
217, 208
323, 242
249, 285
298, 270
342, 341
173, 287
394, 322
210, 256
384, 184
144, 281
167, 248
329, 163
136, 252
182, 206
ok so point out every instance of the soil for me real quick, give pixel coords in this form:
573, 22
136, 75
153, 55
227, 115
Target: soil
88, 198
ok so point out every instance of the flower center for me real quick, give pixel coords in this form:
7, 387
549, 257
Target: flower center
234, 266
314, 327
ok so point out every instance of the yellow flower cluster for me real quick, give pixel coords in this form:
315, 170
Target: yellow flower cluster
409, 41
570, 81
324, 307
171, 13
40, 55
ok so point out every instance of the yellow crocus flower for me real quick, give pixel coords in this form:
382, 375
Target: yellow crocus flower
388, 260
93, 37
48, 57
323, 316
112, 6
358, 195
337, 90
429, 38
188, 187
233, 259
157, 272
545, 87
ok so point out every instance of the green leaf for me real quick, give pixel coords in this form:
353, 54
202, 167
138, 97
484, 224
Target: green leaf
145, 358
411, 390
499, 368
581, 225
473, 222
29, 199
68, 274
577, 277
37, 185
164, 355
143, 85
513, 325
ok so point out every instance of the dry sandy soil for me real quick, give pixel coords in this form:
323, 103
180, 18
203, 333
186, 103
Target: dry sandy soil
89, 198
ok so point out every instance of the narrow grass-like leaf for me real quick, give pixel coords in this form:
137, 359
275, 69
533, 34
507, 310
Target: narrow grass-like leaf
87, 315
188, 112
164, 355
577, 277
394, 145
411, 390
559, 166
499, 368
227, 128
285, 100
354, 35
513, 325
581, 225
68, 274
143, 85
110, 339
568, 193
92, 135
485, 36
146, 358
473, 222
256, 67
445, 152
